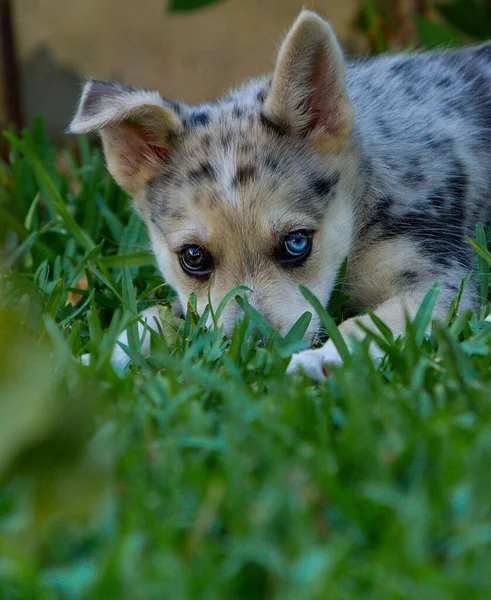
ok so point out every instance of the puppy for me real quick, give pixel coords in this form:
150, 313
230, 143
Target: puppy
386, 161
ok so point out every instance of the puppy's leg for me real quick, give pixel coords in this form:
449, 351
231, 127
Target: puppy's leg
391, 312
119, 358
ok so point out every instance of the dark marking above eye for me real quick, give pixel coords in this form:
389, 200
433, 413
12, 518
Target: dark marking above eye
322, 186
244, 175
237, 112
157, 221
261, 96
199, 118
204, 171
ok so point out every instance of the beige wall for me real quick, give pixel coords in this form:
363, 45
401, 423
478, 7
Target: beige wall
190, 56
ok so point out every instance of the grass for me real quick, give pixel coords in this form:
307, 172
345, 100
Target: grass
204, 472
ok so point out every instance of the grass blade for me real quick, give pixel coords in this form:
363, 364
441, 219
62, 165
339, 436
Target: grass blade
423, 317
328, 324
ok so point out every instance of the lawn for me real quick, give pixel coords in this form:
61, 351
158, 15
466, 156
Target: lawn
204, 472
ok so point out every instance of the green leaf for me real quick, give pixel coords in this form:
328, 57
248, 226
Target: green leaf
328, 324
433, 34
264, 326
53, 197
189, 5
481, 250
129, 299
226, 299
468, 16
30, 214
130, 260
53, 304
170, 324
483, 269
423, 317
299, 329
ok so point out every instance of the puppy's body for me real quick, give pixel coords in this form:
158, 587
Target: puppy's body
389, 167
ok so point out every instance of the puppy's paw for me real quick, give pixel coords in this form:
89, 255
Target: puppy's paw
314, 363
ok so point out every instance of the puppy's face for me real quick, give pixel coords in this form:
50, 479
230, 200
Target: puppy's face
242, 204
255, 190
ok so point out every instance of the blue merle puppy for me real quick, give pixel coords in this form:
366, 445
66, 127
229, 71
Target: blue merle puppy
386, 161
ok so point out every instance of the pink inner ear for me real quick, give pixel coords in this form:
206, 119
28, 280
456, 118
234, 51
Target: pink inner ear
136, 145
320, 105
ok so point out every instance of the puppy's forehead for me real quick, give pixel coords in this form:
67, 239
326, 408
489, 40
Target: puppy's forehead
232, 163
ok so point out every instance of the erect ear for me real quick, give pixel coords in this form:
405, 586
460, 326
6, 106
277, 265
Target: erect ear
308, 91
137, 128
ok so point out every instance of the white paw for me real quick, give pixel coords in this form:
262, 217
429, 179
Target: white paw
313, 362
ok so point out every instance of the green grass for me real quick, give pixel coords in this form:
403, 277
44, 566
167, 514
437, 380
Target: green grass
204, 472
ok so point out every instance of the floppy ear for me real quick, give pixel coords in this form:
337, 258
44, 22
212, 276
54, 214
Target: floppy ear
137, 128
308, 91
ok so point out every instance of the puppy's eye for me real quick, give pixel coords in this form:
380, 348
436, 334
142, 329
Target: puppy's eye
196, 261
295, 247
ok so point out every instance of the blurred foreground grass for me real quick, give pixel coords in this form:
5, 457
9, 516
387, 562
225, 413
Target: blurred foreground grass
204, 472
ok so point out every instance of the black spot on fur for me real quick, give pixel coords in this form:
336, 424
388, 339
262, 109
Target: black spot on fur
380, 214
175, 106
451, 287
409, 278
271, 125
244, 175
225, 141
384, 128
436, 199
237, 112
439, 235
157, 221
198, 119
414, 178
482, 52
204, 171
415, 175
246, 147
403, 67
457, 190
261, 96
272, 163
413, 92
444, 82
322, 186
442, 144
100, 90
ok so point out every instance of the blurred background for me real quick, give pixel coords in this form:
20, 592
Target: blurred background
192, 50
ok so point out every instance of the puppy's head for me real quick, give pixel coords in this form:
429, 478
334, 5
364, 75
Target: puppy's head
254, 189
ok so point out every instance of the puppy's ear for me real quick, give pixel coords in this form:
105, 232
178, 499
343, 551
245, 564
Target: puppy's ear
137, 128
308, 92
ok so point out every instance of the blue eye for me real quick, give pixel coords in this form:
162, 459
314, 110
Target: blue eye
295, 247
